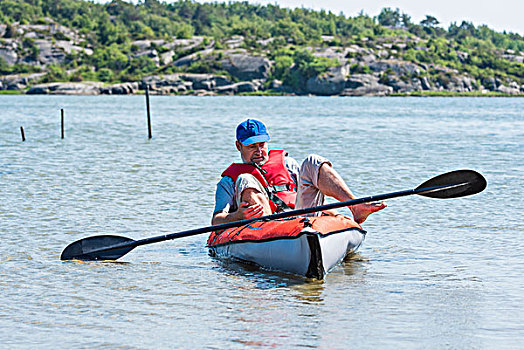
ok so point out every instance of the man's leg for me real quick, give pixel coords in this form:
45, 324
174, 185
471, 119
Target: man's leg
250, 193
331, 184
309, 195
318, 178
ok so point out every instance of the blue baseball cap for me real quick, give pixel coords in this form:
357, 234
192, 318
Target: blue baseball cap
252, 131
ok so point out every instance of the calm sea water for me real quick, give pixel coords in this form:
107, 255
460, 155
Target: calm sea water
433, 274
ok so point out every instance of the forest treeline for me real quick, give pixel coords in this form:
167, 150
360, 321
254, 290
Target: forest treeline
109, 31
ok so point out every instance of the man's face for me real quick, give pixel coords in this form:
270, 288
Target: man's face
254, 153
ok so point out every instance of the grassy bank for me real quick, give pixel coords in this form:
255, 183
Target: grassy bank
454, 94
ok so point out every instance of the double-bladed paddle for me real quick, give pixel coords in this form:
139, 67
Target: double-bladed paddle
454, 184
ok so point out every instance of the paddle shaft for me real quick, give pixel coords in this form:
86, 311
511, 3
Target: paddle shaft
282, 215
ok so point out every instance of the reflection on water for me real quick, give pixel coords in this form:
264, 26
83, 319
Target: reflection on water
431, 273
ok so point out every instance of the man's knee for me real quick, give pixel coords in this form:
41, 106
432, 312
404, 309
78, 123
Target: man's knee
252, 196
314, 162
248, 187
309, 171
245, 181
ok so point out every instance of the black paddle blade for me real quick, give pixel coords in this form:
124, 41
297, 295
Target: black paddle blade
458, 183
105, 247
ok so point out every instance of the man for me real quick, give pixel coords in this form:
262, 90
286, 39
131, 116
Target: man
270, 181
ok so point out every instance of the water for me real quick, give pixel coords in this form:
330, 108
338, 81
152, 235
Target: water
432, 274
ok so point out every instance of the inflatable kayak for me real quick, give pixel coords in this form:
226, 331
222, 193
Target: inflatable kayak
307, 246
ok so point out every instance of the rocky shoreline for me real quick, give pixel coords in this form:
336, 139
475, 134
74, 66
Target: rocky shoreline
249, 74
334, 83
366, 69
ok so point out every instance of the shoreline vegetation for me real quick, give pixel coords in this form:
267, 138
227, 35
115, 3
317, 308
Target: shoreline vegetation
272, 93
77, 47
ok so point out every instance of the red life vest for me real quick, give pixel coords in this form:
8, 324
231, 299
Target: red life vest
274, 177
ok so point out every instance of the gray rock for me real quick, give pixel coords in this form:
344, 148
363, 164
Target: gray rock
156, 82
144, 45
490, 83
276, 85
51, 29
399, 67
383, 53
185, 44
358, 80
456, 83
244, 86
197, 79
462, 56
120, 89
33, 35
221, 80
166, 90
374, 90
468, 84
368, 59
84, 88
331, 52
234, 42
226, 89
69, 47
49, 53
265, 42
246, 67
327, 84
515, 58
424, 82
167, 57
403, 85
513, 85
189, 59
185, 86
508, 90
203, 93
204, 85
9, 55
152, 54
358, 50
365, 85
206, 81
185, 82
39, 90
19, 82
259, 83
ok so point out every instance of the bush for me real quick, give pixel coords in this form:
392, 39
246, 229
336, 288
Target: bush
360, 69
281, 66
55, 73
105, 75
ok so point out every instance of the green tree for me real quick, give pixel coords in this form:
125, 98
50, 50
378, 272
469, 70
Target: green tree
105, 74
429, 21
389, 17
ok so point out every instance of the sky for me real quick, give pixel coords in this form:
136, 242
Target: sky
499, 15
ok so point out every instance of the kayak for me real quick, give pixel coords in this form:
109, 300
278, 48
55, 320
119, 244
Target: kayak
306, 246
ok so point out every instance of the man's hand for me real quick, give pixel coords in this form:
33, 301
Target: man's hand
247, 211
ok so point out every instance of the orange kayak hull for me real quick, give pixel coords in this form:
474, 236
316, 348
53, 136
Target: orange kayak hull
307, 246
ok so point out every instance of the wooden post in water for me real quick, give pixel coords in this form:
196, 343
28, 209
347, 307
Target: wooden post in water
148, 113
62, 121
23, 133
